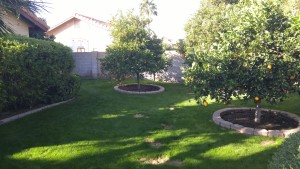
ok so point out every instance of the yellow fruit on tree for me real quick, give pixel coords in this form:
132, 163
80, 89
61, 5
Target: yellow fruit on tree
269, 66
205, 103
256, 98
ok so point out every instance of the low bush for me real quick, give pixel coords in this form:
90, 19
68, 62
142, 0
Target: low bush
34, 72
288, 156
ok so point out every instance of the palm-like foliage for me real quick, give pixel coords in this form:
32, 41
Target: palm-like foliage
14, 6
148, 8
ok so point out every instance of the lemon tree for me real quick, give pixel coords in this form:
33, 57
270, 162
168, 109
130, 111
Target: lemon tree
246, 49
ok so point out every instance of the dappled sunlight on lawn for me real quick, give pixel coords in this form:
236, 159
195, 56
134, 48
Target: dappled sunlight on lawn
192, 102
55, 152
235, 151
162, 134
108, 116
186, 103
71, 151
196, 140
130, 131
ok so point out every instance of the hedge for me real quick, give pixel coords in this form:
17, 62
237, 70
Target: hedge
34, 72
288, 155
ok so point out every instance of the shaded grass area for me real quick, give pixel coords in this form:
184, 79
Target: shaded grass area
99, 130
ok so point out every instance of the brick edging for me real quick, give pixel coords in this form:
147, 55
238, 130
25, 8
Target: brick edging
161, 89
252, 131
21, 115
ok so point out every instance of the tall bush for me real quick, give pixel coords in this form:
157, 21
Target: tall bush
288, 155
34, 72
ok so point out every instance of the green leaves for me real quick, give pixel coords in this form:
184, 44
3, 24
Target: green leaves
288, 154
232, 46
134, 50
34, 72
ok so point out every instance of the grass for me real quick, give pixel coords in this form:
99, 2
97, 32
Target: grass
99, 130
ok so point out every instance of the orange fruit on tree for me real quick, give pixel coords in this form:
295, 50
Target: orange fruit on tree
205, 103
269, 66
256, 98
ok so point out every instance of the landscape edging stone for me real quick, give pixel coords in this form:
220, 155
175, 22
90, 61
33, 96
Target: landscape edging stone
253, 131
161, 89
21, 115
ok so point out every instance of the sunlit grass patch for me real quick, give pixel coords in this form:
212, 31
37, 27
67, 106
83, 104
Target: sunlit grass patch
111, 130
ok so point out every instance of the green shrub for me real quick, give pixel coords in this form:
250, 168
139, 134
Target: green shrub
181, 47
288, 156
34, 72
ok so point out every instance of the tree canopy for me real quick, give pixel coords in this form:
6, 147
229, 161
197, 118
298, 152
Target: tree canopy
249, 50
135, 48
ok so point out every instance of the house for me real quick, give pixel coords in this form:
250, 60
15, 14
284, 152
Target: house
82, 33
25, 24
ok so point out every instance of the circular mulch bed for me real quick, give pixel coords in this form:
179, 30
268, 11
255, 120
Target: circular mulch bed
274, 123
269, 120
144, 89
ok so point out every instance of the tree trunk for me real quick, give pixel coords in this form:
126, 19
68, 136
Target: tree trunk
138, 81
154, 76
257, 113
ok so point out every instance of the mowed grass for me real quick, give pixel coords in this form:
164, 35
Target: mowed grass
104, 129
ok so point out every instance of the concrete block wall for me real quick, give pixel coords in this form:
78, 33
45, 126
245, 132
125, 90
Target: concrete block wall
87, 64
174, 73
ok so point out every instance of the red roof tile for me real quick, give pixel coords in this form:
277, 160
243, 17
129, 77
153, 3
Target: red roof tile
34, 19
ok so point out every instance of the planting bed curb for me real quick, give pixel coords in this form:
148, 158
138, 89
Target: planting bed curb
21, 115
161, 89
252, 131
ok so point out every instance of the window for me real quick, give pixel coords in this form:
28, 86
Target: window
80, 49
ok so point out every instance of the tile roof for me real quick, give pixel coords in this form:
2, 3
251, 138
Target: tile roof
84, 18
34, 19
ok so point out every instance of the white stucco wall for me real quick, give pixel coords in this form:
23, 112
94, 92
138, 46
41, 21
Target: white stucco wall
18, 26
77, 33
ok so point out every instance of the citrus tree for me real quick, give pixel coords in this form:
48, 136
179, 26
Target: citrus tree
249, 50
135, 48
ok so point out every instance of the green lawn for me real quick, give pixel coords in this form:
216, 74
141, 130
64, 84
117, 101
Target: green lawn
105, 129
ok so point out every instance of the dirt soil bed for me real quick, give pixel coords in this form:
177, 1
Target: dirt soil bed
269, 120
134, 88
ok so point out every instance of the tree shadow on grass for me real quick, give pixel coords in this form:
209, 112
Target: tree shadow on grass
193, 156
99, 130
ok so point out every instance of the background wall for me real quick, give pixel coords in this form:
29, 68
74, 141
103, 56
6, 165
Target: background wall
88, 66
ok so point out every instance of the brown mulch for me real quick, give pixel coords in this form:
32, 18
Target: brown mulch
269, 120
134, 88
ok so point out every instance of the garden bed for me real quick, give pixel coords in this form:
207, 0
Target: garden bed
274, 123
144, 89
